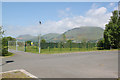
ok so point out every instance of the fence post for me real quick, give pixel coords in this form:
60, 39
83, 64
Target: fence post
8, 45
60, 45
88, 46
36, 47
70, 46
49, 46
24, 46
16, 45
79, 46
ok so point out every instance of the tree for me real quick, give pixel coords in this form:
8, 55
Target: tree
84, 43
5, 45
64, 38
112, 32
9, 38
43, 44
69, 41
43, 41
100, 44
1, 31
29, 43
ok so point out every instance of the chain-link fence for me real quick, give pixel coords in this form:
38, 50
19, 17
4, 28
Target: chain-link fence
16, 45
50, 47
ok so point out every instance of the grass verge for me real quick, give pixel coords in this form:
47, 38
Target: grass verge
8, 55
16, 74
64, 50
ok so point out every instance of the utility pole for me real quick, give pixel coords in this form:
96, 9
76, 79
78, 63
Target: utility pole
39, 38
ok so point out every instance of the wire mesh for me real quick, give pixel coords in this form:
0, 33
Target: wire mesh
16, 45
50, 47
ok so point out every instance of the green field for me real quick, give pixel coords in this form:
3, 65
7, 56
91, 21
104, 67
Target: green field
58, 50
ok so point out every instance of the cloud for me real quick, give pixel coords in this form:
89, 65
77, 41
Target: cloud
94, 6
67, 9
64, 13
96, 12
93, 17
116, 8
112, 4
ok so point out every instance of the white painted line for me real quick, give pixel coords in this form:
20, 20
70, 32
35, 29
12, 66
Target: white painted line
29, 74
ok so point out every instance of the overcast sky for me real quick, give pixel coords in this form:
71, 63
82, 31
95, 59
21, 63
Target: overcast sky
20, 18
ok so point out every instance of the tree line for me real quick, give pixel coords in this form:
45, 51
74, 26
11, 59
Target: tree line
111, 34
4, 43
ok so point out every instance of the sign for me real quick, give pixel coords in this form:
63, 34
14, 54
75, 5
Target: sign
31, 43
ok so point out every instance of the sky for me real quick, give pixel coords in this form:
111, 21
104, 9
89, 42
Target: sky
19, 18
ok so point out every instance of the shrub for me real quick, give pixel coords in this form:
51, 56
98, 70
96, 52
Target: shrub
5, 45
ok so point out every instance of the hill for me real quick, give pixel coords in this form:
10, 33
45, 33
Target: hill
82, 33
25, 37
50, 36
87, 33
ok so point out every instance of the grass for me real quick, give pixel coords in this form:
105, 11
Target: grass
62, 50
57, 50
8, 55
16, 74
34, 49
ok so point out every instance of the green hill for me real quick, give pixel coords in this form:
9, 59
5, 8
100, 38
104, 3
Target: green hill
25, 37
83, 33
87, 33
47, 37
50, 36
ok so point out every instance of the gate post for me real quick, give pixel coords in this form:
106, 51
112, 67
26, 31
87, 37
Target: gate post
70, 45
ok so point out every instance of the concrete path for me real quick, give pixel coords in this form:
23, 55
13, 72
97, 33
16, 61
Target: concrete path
94, 64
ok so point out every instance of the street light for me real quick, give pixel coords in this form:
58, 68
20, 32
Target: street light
39, 38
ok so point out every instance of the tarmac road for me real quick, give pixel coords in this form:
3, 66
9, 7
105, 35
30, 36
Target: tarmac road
93, 64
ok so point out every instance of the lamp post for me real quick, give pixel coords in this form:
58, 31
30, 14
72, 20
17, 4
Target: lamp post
39, 38
39, 42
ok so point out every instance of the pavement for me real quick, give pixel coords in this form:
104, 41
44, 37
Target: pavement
93, 64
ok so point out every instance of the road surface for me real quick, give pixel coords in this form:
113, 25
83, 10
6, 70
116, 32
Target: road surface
94, 64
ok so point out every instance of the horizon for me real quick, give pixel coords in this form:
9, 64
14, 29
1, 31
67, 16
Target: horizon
21, 18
